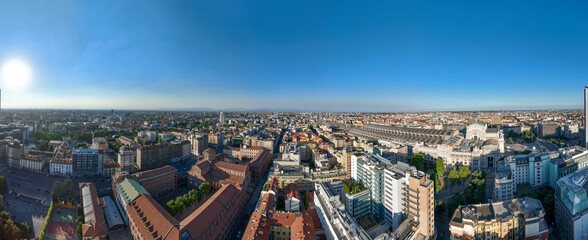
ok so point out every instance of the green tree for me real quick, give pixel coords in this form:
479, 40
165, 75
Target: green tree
454, 175
464, 172
80, 211
418, 160
3, 185
510, 140
79, 223
439, 167
63, 191
454, 203
199, 195
205, 188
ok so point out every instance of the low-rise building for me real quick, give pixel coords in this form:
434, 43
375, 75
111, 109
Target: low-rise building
292, 198
218, 169
34, 162
110, 168
259, 158
513, 219
214, 219
126, 191
157, 182
60, 166
94, 226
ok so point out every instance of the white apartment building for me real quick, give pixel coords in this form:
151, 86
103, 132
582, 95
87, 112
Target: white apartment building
504, 183
148, 135
395, 195
33, 163
398, 192
531, 168
126, 159
60, 167
166, 137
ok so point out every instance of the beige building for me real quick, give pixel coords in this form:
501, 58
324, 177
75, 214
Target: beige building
126, 159
421, 203
513, 219
199, 143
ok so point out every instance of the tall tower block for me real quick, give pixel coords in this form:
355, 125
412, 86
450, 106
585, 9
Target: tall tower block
585, 116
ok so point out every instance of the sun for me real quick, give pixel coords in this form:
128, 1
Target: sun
16, 73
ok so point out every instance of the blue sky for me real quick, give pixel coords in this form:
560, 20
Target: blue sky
306, 55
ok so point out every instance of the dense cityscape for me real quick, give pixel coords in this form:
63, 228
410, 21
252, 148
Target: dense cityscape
293, 175
293, 120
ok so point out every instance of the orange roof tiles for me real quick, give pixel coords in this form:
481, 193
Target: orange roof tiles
216, 212
96, 227
151, 219
282, 219
303, 228
257, 228
292, 190
273, 184
112, 165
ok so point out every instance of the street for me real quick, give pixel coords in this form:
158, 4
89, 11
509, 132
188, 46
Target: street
35, 185
24, 209
250, 207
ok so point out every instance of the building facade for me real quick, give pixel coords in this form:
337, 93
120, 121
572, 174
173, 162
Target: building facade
571, 206
504, 183
514, 219
126, 159
87, 162
151, 157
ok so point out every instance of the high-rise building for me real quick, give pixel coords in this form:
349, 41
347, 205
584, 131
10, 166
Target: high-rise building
86, 162
585, 115
571, 205
421, 202
397, 192
154, 156
126, 159
199, 143
221, 118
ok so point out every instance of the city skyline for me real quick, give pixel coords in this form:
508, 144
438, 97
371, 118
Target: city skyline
302, 56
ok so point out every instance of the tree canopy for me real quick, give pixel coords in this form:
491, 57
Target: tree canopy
418, 160
204, 188
439, 167
464, 172
63, 191
13, 230
3, 185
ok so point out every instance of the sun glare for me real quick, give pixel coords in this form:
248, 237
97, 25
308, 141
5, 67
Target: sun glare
16, 73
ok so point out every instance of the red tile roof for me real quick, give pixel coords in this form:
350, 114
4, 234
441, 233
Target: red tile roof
258, 228
273, 184
96, 227
315, 219
282, 219
210, 218
292, 190
151, 219
303, 228
112, 165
